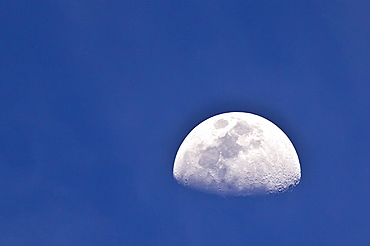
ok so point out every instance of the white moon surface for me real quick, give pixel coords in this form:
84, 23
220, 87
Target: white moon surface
237, 154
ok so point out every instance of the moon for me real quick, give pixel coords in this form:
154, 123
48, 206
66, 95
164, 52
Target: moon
237, 154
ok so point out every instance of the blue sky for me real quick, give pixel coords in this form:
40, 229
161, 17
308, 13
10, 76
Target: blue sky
97, 96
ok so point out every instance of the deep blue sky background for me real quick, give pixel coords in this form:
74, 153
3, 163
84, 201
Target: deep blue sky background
97, 96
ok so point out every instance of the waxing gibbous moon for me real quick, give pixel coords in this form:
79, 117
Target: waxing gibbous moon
237, 154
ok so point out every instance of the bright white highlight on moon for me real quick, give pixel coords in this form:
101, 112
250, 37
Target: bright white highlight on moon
237, 154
